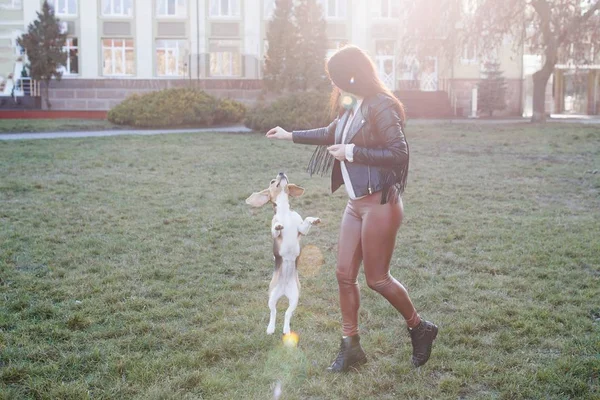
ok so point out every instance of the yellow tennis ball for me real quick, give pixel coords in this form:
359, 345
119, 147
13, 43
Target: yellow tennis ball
290, 339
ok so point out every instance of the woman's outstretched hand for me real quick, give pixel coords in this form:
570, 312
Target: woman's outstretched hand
279, 133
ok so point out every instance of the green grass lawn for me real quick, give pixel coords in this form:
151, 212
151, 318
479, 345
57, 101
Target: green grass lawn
130, 268
55, 125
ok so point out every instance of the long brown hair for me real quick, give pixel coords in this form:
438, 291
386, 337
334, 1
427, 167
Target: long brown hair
353, 71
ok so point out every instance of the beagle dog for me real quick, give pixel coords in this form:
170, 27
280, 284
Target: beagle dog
286, 228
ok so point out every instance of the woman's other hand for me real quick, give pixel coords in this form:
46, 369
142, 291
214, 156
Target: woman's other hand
338, 151
279, 133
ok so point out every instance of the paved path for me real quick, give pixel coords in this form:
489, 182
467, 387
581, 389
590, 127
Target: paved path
55, 135
562, 119
241, 128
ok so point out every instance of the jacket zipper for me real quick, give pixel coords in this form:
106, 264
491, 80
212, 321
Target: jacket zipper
368, 167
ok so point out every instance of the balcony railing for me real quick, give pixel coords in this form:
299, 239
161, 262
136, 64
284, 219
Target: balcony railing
21, 87
27, 87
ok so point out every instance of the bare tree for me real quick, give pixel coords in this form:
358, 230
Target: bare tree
559, 30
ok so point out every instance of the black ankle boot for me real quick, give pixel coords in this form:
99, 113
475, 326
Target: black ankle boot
351, 354
422, 337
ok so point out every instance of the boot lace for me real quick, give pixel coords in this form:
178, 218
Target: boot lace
342, 353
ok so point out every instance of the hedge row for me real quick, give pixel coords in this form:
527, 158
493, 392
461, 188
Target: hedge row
176, 107
297, 111
193, 107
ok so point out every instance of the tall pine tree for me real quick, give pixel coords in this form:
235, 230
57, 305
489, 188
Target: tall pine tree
312, 44
43, 43
491, 94
281, 54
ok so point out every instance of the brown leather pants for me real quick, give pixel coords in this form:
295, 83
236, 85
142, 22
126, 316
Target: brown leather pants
368, 234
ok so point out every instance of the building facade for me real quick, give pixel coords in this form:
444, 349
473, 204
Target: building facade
120, 47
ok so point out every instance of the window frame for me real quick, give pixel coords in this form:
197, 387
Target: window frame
177, 57
66, 70
220, 15
14, 5
172, 16
465, 55
112, 15
337, 17
69, 13
390, 17
239, 55
124, 49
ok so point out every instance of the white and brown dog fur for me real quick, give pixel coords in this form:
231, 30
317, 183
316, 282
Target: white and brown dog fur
286, 227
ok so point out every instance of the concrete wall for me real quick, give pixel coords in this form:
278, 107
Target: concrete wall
103, 94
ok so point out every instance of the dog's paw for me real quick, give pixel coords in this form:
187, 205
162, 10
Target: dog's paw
315, 221
286, 330
278, 227
270, 330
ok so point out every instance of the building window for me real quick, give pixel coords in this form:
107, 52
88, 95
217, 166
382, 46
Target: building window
387, 9
171, 57
225, 58
334, 8
118, 57
469, 54
269, 8
385, 60
171, 8
11, 5
117, 8
72, 50
224, 8
65, 7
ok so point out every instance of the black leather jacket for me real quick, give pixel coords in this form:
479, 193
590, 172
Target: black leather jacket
380, 153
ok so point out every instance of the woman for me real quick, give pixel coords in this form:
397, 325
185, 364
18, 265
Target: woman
369, 154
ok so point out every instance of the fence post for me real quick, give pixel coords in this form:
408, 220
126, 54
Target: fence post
474, 103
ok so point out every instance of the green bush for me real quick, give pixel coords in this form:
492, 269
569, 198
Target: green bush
176, 107
305, 110
230, 111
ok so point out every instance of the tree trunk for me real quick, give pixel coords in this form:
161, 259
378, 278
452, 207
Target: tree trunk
46, 95
552, 43
540, 81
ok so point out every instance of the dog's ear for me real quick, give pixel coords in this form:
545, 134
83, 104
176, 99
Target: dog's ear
258, 199
294, 190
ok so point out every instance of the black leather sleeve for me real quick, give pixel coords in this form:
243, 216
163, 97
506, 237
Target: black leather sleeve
388, 126
319, 136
